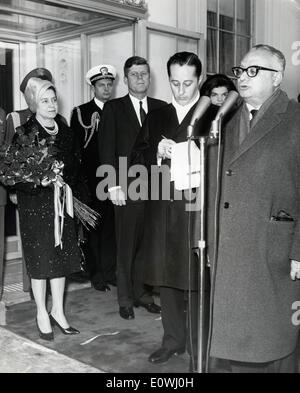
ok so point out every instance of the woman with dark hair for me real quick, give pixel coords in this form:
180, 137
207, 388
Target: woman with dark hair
217, 87
45, 260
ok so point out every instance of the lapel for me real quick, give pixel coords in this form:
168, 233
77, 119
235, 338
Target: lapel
150, 103
130, 113
264, 126
181, 132
171, 123
94, 107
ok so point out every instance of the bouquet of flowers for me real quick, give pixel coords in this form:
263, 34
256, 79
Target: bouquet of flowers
33, 160
28, 160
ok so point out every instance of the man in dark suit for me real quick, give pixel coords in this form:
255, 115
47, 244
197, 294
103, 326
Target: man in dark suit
167, 220
258, 253
100, 249
121, 122
2, 212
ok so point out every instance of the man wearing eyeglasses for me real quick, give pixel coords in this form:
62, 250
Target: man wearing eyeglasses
121, 122
257, 263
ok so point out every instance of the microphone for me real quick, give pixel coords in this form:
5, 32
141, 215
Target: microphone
199, 111
225, 108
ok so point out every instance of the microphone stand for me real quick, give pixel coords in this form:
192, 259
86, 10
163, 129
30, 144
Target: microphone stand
202, 364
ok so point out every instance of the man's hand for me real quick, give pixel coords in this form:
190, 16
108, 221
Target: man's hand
13, 198
164, 149
117, 197
295, 270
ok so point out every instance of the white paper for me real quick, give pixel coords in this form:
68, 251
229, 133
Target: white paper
180, 166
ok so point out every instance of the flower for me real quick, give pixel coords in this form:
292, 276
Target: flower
29, 159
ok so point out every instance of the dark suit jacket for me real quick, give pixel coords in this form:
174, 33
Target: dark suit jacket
119, 129
253, 298
166, 231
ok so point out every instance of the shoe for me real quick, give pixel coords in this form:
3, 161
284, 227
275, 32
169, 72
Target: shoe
69, 331
162, 355
101, 287
151, 307
44, 336
126, 312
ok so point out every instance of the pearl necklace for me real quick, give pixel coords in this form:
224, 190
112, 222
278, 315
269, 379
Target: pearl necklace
49, 131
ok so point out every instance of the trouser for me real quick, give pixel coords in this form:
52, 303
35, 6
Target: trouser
179, 322
100, 246
129, 221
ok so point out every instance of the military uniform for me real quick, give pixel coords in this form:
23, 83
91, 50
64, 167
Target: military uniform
100, 249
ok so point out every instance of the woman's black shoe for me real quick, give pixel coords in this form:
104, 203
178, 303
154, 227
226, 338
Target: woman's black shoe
44, 336
70, 330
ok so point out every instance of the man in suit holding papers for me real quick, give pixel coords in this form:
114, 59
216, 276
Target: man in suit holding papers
166, 239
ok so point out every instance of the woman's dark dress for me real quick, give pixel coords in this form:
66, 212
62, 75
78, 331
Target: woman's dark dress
36, 211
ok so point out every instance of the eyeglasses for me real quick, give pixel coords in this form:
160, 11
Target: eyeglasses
138, 75
251, 71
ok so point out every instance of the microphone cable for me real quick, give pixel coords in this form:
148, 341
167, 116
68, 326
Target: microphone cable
189, 232
213, 265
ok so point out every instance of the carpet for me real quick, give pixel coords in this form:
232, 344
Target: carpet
121, 346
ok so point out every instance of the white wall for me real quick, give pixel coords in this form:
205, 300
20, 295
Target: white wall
112, 47
278, 24
63, 59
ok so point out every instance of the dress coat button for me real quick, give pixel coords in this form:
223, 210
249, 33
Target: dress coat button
226, 205
229, 172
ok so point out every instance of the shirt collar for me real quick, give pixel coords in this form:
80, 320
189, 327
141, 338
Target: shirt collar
267, 103
182, 111
137, 101
250, 107
99, 103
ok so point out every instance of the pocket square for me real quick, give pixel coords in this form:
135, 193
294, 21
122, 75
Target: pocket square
282, 216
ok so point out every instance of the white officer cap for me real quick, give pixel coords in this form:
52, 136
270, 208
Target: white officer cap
102, 71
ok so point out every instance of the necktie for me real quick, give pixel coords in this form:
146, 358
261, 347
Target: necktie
142, 112
253, 113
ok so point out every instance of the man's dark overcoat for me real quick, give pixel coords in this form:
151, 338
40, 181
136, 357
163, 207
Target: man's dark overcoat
254, 294
166, 230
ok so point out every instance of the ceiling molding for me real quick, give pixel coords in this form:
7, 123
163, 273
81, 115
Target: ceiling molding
17, 36
34, 14
113, 8
94, 27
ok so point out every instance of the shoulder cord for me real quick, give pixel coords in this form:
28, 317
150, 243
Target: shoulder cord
16, 120
95, 119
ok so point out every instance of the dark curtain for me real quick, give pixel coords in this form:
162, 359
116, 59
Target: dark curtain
6, 86
6, 102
